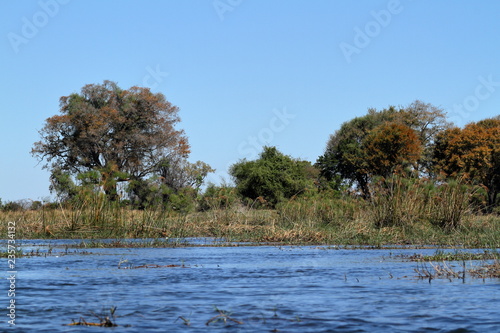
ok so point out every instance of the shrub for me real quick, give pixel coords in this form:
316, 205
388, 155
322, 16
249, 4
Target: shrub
13, 206
217, 197
272, 177
183, 201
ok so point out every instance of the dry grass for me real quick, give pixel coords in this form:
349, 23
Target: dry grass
301, 221
487, 271
445, 270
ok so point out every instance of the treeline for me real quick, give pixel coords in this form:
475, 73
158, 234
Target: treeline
406, 164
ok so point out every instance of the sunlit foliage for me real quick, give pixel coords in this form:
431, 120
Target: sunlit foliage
472, 153
380, 143
121, 134
272, 177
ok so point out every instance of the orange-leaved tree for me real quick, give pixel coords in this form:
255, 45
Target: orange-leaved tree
122, 134
391, 147
473, 153
352, 157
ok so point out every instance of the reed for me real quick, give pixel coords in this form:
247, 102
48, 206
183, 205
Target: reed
105, 319
410, 218
397, 201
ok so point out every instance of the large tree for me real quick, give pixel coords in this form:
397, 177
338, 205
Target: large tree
122, 134
352, 157
390, 147
473, 153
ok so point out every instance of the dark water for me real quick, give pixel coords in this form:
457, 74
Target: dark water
267, 288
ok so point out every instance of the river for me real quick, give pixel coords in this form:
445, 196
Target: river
242, 289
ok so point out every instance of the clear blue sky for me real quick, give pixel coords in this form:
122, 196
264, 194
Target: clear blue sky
244, 73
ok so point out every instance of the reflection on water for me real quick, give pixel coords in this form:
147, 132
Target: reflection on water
267, 288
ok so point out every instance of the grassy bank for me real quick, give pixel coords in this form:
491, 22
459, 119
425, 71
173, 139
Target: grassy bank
305, 221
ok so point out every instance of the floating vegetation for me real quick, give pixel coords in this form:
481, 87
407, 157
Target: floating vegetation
487, 271
104, 320
44, 253
455, 256
484, 271
148, 265
185, 320
223, 316
227, 317
156, 243
427, 269
16, 254
438, 271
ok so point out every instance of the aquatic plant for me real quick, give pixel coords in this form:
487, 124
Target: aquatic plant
105, 320
457, 255
438, 271
444, 269
186, 321
486, 271
308, 219
223, 316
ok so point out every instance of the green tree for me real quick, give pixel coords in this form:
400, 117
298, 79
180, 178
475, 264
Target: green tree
63, 185
427, 121
123, 134
352, 158
345, 159
273, 176
179, 173
147, 193
174, 180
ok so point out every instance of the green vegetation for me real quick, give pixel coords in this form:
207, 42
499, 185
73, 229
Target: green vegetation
396, 176
457, 255
106, 136
273, 177
312, 218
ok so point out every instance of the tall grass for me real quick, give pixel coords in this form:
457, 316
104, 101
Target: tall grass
397, 202
450, 203
400, 211
402, 202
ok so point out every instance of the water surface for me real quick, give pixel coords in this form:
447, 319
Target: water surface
266, 288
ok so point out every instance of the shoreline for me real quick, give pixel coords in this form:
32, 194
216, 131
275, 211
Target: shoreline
257, 226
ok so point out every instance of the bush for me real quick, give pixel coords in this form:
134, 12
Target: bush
273, 177
217, 197
183, 201
13, 206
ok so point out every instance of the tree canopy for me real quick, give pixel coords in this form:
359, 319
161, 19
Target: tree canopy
391, 146
122, 134
473, 153
272, 177
381, 142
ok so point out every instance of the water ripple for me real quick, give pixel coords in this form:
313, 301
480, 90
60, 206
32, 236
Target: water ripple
287, 289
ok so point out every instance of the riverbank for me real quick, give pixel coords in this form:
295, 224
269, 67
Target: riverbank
240, 224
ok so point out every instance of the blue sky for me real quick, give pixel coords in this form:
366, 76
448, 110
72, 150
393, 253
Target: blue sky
244, 73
